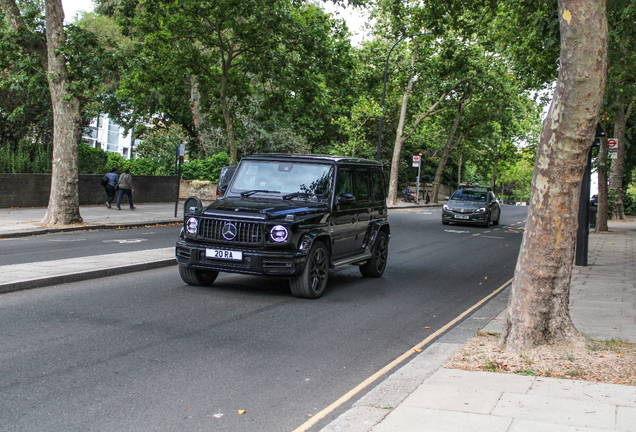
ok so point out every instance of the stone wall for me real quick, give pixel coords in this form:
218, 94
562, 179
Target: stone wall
204, 190
33, 190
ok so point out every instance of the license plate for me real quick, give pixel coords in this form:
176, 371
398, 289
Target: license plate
462, 217
224, 254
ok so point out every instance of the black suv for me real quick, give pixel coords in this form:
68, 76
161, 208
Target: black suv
472, 204
294, 216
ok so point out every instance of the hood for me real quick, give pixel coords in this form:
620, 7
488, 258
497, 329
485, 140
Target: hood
251, 208
466, 205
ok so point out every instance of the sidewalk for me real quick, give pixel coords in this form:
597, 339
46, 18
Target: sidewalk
423, 396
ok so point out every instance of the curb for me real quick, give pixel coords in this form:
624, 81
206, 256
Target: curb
81, 276
86, 228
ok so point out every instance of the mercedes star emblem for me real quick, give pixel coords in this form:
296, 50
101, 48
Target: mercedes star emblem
229, 231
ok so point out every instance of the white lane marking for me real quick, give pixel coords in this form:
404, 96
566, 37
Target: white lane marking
124, 241
66, 240
456, 231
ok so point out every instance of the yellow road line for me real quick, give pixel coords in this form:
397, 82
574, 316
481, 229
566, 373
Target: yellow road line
322, 414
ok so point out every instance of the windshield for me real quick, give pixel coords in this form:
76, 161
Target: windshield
469, 195
294, 180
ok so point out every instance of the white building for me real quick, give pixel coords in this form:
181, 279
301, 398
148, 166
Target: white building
103, 133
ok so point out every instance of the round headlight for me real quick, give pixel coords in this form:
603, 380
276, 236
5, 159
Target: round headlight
445, 207
191, 225
279, 234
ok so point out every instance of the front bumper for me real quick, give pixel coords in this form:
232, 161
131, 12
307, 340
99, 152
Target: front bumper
469, 218
254, 261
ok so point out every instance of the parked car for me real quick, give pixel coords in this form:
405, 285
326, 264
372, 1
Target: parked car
292, 216
594, 200
472, 205
225, 177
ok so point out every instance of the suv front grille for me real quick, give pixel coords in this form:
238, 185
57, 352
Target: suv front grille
247, 232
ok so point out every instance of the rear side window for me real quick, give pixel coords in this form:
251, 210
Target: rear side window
343, 182
377, 186
362, 184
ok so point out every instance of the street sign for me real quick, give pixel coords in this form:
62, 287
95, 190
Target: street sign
182, 150
613, 144
416, 161
420, 154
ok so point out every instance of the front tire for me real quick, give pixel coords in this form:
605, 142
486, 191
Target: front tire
487, 223
498, 219
376, 265
197, 277
311, 283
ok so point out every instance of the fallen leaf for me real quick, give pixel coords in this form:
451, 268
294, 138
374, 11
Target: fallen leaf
486, 278
417, 350
241, 411
310, 415
427, 327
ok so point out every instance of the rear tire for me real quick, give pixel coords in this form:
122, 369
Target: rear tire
312, 281
197, 277
376, 265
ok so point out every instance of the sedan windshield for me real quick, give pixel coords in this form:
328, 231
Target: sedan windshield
291, 180
469, 195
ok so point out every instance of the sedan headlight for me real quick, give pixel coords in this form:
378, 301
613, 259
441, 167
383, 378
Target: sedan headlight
445, 207
279, 234
191, 226
481, 210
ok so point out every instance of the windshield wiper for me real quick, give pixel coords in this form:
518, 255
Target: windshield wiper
252, 192
298, 194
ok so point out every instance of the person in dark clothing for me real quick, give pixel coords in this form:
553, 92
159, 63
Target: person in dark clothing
113, 178
125, 188
428, 199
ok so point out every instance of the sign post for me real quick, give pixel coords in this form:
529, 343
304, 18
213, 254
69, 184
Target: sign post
177, 172
417, 162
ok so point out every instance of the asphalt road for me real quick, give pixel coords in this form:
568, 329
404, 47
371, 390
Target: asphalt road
144, 351
75, 244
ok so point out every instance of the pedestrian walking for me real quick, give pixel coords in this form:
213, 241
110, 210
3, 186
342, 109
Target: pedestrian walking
111, 181
125, 188
428, 199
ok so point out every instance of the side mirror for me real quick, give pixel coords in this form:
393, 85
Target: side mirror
346, 199
446, 198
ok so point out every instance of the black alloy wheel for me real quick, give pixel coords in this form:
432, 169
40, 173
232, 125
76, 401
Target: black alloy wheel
311, 283
376, 265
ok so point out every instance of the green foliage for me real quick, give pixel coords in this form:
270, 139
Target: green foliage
28, 158
355, 128
205, 169
160, 146
91, 160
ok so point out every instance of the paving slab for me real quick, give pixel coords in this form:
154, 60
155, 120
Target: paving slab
411, 419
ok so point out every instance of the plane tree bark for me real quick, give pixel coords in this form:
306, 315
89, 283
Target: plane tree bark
601, 166
618, 164
538, 307
63, 205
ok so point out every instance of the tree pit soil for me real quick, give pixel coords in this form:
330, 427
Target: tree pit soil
609, 361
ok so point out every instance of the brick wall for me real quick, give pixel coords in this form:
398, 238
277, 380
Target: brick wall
32, 190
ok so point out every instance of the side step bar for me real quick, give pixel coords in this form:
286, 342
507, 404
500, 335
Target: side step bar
358, 259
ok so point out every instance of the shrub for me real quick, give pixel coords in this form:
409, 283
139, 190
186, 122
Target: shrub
92, 160
205, 169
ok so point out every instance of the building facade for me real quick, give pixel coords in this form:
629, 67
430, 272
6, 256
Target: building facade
105, 134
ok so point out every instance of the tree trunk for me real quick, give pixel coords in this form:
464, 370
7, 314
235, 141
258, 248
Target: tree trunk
448, 148
400, 138
459, 170
229, 125
64, 199
601, 209
538, 307
618, 164
494, 171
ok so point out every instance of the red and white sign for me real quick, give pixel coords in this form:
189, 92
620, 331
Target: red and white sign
420, 154
613, 144
416, 158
